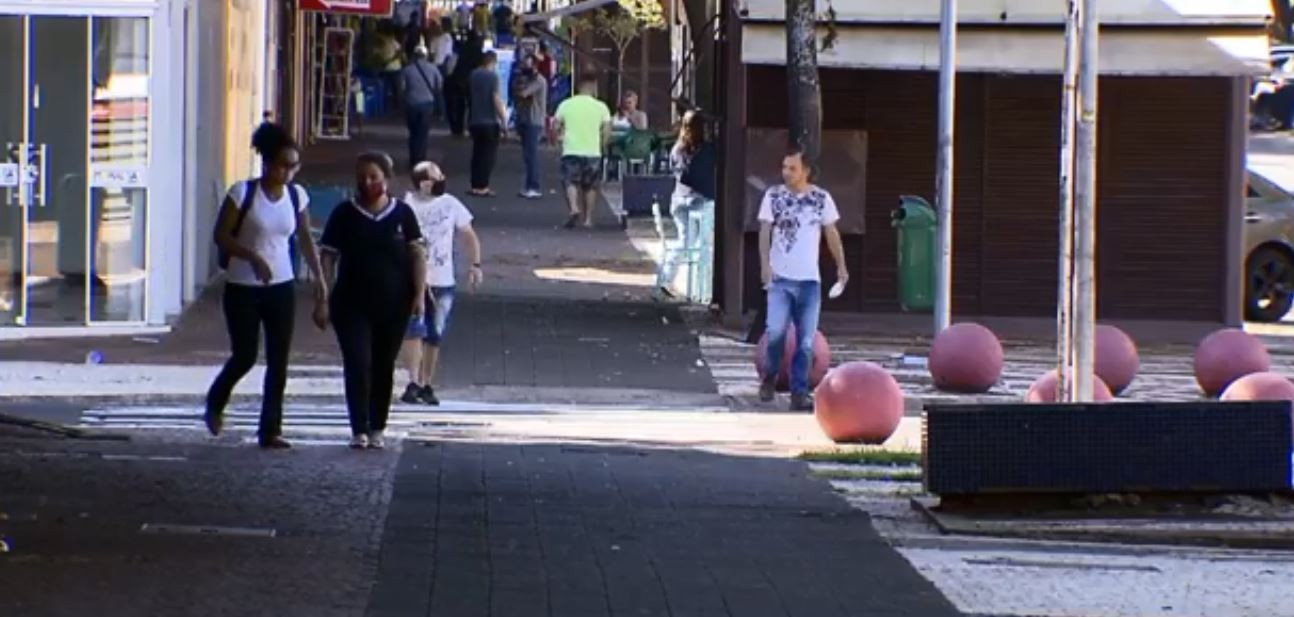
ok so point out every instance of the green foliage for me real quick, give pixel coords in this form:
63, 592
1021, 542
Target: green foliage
621, 23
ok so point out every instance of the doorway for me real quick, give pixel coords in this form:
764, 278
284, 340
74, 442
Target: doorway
74, 125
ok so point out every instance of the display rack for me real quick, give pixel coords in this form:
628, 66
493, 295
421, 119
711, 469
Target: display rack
333, 61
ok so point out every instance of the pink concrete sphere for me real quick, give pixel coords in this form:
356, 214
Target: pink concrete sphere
1265, 386
1228, 355
966, 358
1117, 360
1046, 389
818, 370
858, 402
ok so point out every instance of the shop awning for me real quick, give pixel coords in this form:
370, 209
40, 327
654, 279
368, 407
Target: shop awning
1138, 37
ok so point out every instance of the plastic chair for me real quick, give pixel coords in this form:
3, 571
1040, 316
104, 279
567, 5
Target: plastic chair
694, 251
639, 151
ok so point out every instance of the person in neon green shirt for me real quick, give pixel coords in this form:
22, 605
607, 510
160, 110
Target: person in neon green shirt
583, 124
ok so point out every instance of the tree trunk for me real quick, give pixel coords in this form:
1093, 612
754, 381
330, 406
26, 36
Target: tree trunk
805, 109
620, 74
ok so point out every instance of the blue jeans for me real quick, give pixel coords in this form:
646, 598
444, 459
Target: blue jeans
530, 134
418, 119
687, 237
431, 325
797, 302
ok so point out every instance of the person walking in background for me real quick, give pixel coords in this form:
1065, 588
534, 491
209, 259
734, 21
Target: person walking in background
422, 86
793, 218
531, 104
583, 123
374, 259
693, 162
440, 216
487, 118
440, 49
545, 63
256, 224
469, 52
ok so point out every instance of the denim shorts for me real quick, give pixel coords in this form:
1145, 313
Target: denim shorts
431, 325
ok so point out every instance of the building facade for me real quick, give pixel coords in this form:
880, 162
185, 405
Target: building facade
123, 121
1172, 132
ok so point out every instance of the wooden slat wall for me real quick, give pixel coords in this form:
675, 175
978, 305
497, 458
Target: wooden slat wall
1163, 198
1163, 168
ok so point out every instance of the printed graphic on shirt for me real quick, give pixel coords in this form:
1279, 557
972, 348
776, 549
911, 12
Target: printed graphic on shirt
797, 221
792, 212
439, 219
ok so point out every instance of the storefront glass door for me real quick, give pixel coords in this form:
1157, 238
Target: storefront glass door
75, 122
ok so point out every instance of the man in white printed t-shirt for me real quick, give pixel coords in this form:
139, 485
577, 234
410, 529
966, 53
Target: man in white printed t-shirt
793, 218
441, 216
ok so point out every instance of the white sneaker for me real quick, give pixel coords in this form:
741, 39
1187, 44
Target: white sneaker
359, 442
376, 440
532, 194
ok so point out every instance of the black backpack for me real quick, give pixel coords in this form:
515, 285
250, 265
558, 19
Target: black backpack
222, 257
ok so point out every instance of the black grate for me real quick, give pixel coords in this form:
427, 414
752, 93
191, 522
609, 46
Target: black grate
1108, 448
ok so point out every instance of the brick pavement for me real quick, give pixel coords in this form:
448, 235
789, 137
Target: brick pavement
73, 513
582, 531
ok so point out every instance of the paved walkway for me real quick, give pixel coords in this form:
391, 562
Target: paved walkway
580, 531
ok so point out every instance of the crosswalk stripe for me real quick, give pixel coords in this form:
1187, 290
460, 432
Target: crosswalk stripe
1160, 378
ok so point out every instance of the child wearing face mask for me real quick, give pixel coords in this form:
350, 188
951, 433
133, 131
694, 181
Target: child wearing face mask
439, 216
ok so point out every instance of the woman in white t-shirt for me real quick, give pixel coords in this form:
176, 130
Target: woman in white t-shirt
257, 223
441, 216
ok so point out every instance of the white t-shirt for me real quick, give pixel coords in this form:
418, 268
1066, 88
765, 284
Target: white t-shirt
266, 230
442, 47
439, 218
797, 221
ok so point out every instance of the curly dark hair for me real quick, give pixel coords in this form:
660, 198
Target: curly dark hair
270, 140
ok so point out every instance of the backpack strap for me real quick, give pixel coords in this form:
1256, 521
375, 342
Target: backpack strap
296, 204
248, 199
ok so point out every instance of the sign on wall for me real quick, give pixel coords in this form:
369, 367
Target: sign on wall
372, 8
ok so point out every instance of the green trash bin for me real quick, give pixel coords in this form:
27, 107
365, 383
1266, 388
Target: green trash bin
915, 220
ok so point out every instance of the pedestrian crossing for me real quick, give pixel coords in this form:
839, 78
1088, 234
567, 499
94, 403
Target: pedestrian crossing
1166, 375
325, 421
320, 423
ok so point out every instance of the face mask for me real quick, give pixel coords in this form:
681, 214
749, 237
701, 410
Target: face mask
369, 191
438, 187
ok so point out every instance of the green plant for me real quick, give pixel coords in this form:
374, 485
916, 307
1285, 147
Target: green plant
621, 23
862, 455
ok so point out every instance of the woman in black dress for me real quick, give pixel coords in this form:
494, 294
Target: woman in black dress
373, 257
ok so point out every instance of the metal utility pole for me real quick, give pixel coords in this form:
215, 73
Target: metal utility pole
944, 173
1085, 208
1065, 293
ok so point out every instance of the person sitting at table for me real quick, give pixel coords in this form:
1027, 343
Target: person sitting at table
628, 116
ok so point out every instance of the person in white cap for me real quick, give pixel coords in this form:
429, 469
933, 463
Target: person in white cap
441, 217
